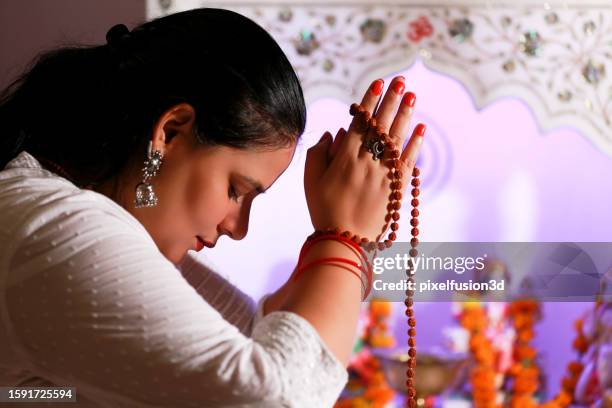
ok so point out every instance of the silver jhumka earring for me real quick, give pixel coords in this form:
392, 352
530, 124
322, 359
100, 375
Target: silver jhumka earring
145, 195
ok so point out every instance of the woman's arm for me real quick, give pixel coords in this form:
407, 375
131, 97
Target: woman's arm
105, 312
329, 298
234, 305
346, 189
276, 300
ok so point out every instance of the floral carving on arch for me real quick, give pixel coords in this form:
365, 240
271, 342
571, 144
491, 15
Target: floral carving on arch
556, 56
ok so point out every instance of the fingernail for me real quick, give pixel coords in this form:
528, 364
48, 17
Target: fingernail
398, 87
410, 99
377, 86
420, 130
325, 136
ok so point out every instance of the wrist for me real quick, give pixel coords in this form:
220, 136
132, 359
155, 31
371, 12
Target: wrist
330, 248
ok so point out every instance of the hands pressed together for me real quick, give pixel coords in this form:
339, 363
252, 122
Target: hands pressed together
344, 186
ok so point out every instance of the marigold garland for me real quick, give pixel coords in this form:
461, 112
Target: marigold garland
482, 377
525, 313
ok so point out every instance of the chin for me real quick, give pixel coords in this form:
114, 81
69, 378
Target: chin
173, 256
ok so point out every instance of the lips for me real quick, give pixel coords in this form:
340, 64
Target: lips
200, 243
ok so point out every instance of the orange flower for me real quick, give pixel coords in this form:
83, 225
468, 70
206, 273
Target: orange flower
525, 386
581, 344
380, 308
525, 336
524, 352
379, 393
569, 383
565, 398
578, 324
575, 367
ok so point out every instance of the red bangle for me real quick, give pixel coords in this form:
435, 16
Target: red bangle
340, 238
368, 271
331, 260
325, 261
337, 237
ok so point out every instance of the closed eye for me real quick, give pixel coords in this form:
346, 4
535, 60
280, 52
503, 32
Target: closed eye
232, 193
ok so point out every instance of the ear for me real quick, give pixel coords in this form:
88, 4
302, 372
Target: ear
174, 124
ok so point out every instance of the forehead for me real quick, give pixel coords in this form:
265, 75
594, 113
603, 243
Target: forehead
265, 165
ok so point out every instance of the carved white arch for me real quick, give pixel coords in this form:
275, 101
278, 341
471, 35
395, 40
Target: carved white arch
556, 55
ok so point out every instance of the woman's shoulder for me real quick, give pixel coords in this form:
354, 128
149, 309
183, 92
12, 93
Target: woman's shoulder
33, 198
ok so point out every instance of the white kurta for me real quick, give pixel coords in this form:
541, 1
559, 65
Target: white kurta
88, 301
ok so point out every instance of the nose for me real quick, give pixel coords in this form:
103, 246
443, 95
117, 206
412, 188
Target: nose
236, 223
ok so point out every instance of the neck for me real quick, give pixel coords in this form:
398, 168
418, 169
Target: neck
109, 188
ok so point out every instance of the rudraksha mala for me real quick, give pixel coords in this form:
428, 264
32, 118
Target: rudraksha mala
383, 146
391, 154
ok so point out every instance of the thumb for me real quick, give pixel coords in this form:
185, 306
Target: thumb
316, 160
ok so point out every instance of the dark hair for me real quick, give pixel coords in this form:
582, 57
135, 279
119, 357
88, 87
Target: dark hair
92, 109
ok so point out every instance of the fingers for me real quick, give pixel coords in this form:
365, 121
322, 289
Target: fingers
388, 107
370, 100
371, 97
401, 123
317, 160
411, 152
388, 114
335, 145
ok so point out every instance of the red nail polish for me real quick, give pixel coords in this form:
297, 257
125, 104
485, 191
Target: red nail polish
419, 130
410, 99
377, 86
398, 87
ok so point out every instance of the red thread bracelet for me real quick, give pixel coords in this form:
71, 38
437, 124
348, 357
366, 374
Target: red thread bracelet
325, 261
337, 237
331, 260
312, 241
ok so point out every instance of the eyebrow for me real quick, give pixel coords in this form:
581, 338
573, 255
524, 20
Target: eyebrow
254, 183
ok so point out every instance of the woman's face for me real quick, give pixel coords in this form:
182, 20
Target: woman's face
203, 192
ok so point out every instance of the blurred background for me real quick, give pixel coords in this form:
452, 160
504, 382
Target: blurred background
516, 99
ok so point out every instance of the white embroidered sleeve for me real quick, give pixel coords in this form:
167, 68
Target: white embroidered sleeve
93, 304
234, 305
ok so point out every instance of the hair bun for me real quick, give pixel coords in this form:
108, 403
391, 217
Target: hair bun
116, 33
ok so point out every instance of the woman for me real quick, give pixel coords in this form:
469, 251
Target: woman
97, 289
